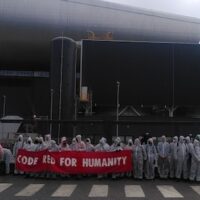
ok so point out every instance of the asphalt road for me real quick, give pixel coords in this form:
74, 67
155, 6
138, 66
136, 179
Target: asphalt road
18, 187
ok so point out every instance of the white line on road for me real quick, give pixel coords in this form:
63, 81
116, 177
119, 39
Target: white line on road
4, 186
99, 191
64, 191
169, 191
134, 191
196, 189
30, 190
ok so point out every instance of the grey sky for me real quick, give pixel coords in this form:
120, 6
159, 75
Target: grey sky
182, 7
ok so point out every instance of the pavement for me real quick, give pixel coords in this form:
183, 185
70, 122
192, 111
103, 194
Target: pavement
20, 188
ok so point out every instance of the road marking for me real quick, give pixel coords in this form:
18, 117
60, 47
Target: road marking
169, 191
30, 190
99, 191
4, 186
134, 191
64, 191
196, 189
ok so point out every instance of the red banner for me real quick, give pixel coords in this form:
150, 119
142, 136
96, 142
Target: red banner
73, 162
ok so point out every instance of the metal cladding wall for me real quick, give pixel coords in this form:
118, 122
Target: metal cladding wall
25, 97
149, 73
62, 79
143, 70
27, 27
186, 74
19, 97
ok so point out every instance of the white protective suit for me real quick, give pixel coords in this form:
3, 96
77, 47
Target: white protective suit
53, 146
188, 157
73, 145
41, 145
63, 145
80, 145
7, 157
151, 161
102, 147
195, 163
47, 140
181, 153
163, 149
139, 155
18, 145
129, 146
116, 146
89, 146
173, 156
29, 146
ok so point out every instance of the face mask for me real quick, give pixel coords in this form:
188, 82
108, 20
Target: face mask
130, 144
29, 142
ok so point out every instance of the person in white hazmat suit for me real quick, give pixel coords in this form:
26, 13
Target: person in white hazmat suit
63, 145
18, 145
116, 146
73, 145
129, 146
47, 140
181, 153
195, 162
173, 157
36, 143
188, 157
7, 157
151, 161
163, 149
89, 147
29, 146
41, 145
102, 147
139, 155
80, 145
53, 147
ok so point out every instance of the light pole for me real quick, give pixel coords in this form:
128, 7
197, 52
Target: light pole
4, 105
75, 96
51, 112
60, 88
117, 111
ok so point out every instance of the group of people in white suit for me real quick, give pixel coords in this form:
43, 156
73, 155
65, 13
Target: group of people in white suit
179, 158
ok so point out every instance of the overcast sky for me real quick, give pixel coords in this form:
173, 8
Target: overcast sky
182, 7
